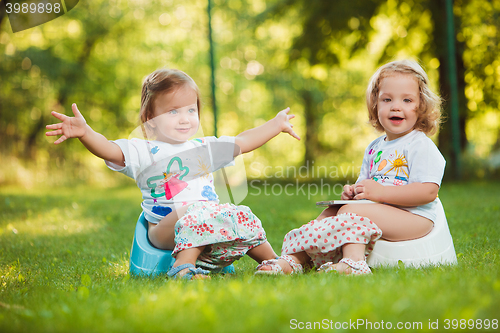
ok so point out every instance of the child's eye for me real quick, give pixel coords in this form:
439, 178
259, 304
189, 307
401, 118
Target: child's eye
192, 110
172, 112
407, 100
386, 100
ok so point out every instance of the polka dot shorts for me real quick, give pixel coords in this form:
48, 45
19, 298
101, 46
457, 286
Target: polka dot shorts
323, 240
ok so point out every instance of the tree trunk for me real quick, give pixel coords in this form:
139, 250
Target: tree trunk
312, 127
438, 10
64, 93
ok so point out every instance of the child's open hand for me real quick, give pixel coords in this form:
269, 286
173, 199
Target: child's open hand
69, 127
283, 119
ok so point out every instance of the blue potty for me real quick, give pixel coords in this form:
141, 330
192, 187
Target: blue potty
147, 260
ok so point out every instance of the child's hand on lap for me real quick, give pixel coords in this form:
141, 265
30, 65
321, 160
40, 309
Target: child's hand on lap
348, 193
368, 189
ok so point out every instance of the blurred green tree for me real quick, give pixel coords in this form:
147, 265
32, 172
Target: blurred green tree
314, 56
325, 22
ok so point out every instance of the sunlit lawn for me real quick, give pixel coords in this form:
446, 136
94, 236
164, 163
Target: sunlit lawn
64, 259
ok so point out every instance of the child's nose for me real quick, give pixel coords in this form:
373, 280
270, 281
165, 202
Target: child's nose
395, 106
184, 118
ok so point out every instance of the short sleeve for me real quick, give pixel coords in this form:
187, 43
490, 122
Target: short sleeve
365, 165
365, 169
425, 162
131, 155
221, 151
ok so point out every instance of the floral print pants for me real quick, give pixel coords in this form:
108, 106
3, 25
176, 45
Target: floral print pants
227, 232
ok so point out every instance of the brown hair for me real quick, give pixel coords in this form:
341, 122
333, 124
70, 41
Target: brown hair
429, 109
163, 81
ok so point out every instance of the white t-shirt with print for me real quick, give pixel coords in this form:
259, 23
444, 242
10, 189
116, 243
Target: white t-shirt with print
413, 158
174, 175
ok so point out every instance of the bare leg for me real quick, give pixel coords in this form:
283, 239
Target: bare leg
189, 256
262, 252
396, 224
328, 212
161, 235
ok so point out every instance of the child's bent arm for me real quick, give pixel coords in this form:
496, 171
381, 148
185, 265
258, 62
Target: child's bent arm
414, 194
254, 138
76, 127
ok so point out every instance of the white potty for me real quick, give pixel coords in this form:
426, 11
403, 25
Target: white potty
436, 248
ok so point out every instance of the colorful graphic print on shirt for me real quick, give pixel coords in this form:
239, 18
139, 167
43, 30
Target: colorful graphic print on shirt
393, 170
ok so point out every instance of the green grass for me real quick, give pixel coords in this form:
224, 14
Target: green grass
64, 258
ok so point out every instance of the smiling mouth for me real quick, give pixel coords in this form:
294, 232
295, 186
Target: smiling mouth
396, 120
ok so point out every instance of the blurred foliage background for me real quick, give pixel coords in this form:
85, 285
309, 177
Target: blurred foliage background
313, 56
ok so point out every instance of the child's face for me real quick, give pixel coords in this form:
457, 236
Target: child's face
397, 105
175, 116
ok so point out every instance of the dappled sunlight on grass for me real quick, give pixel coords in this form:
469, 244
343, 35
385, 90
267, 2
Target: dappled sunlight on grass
76, 279
55, 222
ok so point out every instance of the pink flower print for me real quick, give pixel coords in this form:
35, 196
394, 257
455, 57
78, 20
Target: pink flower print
223, 232
398, 182
260, 234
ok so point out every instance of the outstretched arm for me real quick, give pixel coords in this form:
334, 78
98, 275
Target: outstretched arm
254, 138
76, 127
414, 194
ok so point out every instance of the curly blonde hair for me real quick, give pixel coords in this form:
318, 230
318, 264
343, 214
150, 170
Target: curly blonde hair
429, 109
